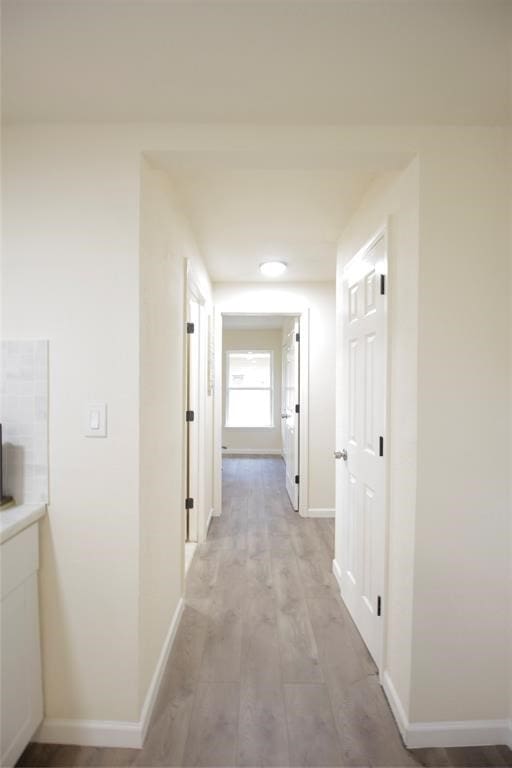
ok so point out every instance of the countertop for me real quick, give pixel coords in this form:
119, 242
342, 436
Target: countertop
15, 519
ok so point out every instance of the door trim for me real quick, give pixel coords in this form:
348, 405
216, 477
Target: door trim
192, 291
303, 313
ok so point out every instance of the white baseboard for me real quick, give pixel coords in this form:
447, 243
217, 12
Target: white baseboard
337, 572
252, 452
212, 514
113, 733
320, 512
396, 705
154, 686
465, 733
90, 733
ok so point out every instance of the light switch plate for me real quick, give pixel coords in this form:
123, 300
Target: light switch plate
96, 420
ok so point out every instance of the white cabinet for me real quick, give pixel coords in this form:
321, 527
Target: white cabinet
20, 670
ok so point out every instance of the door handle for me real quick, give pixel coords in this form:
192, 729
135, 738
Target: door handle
284, 415
341, 455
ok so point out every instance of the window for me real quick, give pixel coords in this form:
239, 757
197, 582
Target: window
249, 389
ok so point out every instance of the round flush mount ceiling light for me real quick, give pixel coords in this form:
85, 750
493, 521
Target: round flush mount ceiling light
273, 268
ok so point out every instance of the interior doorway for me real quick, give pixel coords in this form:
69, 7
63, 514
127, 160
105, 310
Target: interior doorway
290, 411
260, 374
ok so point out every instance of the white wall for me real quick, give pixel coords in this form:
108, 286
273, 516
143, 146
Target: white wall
76, 272
463, 496
264, 439
165, 242
449, 577
70, 263
292, 298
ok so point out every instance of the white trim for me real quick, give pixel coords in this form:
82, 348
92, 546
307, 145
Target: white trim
252, 452
113, 733
464, 733
154, 687
395, 704
90, 733
320, 512
210, 515
304, 324
337, 572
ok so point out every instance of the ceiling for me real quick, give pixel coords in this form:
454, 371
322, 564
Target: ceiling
257, 61
242, 217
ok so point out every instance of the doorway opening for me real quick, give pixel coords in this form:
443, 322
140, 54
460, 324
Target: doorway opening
263, 404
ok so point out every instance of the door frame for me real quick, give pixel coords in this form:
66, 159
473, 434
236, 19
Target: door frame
193, 292
382, 232
303, 314
284, 373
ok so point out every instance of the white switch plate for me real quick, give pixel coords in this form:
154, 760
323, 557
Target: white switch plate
96, 420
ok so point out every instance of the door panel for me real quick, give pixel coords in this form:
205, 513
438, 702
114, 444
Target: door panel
289, 417
361, 501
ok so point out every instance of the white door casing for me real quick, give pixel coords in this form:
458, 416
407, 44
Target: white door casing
193, 457
361, 503
196, 399
243, 306
289, 415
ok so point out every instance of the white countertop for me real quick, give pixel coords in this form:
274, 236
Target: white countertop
15, 519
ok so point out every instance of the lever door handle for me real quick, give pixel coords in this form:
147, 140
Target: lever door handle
284, 415
341, 455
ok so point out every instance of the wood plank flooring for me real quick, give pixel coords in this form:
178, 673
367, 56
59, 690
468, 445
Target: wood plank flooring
267, 668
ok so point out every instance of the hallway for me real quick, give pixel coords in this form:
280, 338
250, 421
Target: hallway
280, 653
267, 668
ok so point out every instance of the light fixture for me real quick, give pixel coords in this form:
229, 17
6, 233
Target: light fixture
273, 268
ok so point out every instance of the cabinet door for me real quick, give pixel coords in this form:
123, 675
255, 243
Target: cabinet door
20, 661
22, 706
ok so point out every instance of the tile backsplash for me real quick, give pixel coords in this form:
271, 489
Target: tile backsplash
24, 418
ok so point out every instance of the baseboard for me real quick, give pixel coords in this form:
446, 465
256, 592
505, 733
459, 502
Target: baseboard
396, 706
154, 687
212, 514
113, 733
466, 733
252, 452
320, 512
90, 733
336, 572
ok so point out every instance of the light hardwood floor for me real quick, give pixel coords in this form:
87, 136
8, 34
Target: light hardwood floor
267, 668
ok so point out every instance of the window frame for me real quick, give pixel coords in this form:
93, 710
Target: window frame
270, 388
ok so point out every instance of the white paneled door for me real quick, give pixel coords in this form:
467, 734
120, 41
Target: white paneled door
361, 440
289, 411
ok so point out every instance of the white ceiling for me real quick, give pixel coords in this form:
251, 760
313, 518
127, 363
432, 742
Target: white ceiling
252, 322
296, 61
245, 216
